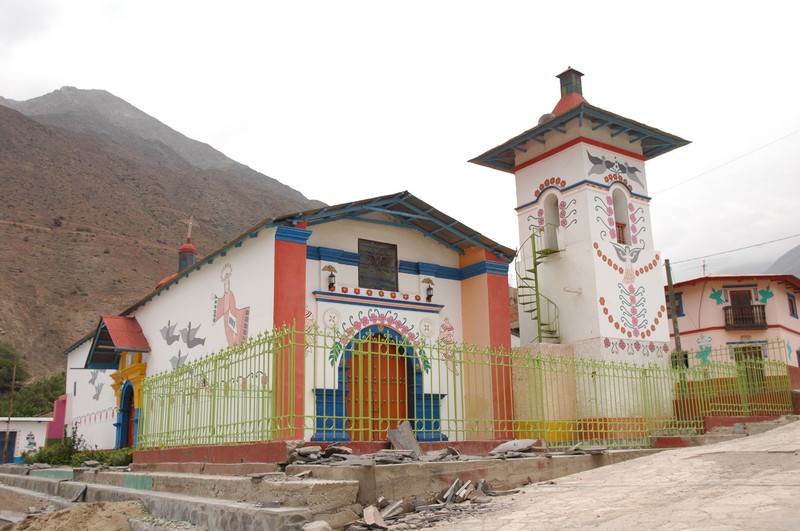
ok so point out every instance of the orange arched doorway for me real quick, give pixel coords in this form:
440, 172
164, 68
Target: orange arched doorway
380, 381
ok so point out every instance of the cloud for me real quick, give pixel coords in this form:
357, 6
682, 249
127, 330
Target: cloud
23, 20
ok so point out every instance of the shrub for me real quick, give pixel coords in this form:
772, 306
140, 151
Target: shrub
120, 457
60, 453
72, 451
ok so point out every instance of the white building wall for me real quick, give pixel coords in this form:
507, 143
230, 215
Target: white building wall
30, 433
608, 294
91, 401
167, 318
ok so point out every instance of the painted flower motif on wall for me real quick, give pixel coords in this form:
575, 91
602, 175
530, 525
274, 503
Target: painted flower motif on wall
567, 211
380, 318
646, 348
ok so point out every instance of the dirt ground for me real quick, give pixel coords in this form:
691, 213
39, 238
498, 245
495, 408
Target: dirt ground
99, 516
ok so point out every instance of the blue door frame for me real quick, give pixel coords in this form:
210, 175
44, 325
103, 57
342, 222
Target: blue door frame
331, 404
123, 423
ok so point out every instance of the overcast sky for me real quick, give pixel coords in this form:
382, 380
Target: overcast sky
348, 100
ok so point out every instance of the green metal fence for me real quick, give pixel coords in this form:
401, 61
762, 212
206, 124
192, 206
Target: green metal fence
325, 385
774, 350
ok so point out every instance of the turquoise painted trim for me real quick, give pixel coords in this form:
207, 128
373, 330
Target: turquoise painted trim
392, 304
793, 304
53, 473
659, 141
762, 342
79, 343
292, 234
137, 482
342, 257
484, 268
339, 256
582, 183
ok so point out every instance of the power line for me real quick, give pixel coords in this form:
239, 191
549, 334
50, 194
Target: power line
737, 249
728, 162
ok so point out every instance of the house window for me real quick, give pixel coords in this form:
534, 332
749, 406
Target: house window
792, 305
742, 314
377, 265
620, 232
678, 305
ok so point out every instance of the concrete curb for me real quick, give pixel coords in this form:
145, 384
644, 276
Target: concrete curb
205, 512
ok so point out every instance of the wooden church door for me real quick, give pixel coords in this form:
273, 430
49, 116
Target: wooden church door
377, 387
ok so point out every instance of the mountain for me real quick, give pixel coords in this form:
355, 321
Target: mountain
94, 197
787, 264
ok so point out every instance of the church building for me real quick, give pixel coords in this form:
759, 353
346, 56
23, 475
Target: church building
386, 265
394, 268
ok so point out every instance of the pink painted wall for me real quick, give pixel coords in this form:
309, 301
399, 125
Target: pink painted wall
55, 429
704, 302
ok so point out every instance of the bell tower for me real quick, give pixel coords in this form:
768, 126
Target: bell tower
588, 272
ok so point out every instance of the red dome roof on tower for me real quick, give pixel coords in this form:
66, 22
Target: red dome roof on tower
188, 247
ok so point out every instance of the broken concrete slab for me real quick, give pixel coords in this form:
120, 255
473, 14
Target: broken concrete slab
373, 518
404, 481
403, 438
521, 445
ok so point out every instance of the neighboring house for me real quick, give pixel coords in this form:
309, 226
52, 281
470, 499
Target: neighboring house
390, 266
24, 434
738, 316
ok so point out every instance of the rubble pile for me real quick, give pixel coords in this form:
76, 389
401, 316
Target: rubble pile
461, 497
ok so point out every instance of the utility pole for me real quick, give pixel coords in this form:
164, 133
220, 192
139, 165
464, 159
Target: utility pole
673, 310
10, 408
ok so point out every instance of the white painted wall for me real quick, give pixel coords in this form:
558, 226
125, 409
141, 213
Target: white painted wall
30, 433
593, 278
192, 299
91, 401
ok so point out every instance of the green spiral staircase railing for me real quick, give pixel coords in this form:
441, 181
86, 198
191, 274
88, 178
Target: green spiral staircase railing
542, 243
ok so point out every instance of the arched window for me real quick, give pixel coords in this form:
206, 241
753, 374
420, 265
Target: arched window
551, 221
623, 228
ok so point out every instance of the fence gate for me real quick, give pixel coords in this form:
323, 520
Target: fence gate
377, 385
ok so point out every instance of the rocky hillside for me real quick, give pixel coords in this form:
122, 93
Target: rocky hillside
789, 263
94, 194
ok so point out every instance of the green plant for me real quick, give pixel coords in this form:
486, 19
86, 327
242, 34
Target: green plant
60, 453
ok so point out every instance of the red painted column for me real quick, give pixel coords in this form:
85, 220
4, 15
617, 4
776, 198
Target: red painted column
289, 306
486, 317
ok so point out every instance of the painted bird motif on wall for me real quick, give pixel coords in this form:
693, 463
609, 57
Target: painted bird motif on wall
628, 256
601, 165
178, 360
188, 335
168, 333
716, 295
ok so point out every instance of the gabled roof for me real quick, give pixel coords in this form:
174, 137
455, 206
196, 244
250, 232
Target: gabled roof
408, 211
790, 282
401, 209
115, 334
653, 141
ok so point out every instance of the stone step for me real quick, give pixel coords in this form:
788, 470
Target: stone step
207, 512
